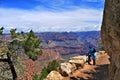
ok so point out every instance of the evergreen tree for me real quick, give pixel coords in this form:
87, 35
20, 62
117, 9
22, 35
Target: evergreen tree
4, 49
14, 34
1, 31
31, 44
29, 41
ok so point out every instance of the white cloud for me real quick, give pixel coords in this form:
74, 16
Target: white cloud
40, 21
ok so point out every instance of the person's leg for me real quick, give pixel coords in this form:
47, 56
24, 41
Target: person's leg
89, 59
94, 62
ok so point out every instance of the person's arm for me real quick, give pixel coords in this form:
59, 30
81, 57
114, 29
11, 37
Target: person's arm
89, 52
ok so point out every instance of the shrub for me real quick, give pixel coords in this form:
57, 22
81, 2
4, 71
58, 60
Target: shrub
46, 70
52, 66
44, 73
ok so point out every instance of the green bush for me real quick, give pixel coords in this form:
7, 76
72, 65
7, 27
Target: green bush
46, 70
44, 73
36, 77
52, 66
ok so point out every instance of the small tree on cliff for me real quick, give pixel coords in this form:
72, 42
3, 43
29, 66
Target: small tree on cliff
14, 34
29, 42
4, 50
1, 31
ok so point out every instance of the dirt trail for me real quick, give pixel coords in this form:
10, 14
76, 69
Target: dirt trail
93, 72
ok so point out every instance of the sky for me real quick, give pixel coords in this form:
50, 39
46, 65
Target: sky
51, 15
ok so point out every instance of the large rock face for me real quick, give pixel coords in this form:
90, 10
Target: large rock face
111, 35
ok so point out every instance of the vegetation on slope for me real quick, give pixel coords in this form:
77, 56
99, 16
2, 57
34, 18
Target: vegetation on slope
46, 70
29, 42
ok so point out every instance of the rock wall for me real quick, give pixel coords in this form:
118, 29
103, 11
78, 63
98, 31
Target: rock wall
110, 33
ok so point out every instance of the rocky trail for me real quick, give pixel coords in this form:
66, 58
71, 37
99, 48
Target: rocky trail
92, 72
88, 72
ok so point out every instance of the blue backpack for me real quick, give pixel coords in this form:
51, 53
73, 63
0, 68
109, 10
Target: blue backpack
92, 51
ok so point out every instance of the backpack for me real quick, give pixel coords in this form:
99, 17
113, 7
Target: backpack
92, 50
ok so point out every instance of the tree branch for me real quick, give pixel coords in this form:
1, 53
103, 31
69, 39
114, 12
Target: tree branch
3, 60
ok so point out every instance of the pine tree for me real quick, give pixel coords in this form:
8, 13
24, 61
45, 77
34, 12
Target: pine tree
4, 49
29, 41
32, 45
14, 34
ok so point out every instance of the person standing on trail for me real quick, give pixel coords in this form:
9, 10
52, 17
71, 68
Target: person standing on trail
91, 54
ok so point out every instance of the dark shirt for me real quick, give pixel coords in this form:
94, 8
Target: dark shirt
91, 51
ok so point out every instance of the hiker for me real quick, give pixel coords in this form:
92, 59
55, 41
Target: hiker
92, 54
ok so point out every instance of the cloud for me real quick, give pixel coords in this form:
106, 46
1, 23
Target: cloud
59, 5
41, 21
56, 5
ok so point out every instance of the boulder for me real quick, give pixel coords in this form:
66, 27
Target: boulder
83, 57
101, 52
79, 61
67, 68
54, 75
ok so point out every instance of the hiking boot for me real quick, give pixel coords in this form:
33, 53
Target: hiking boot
89, 63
